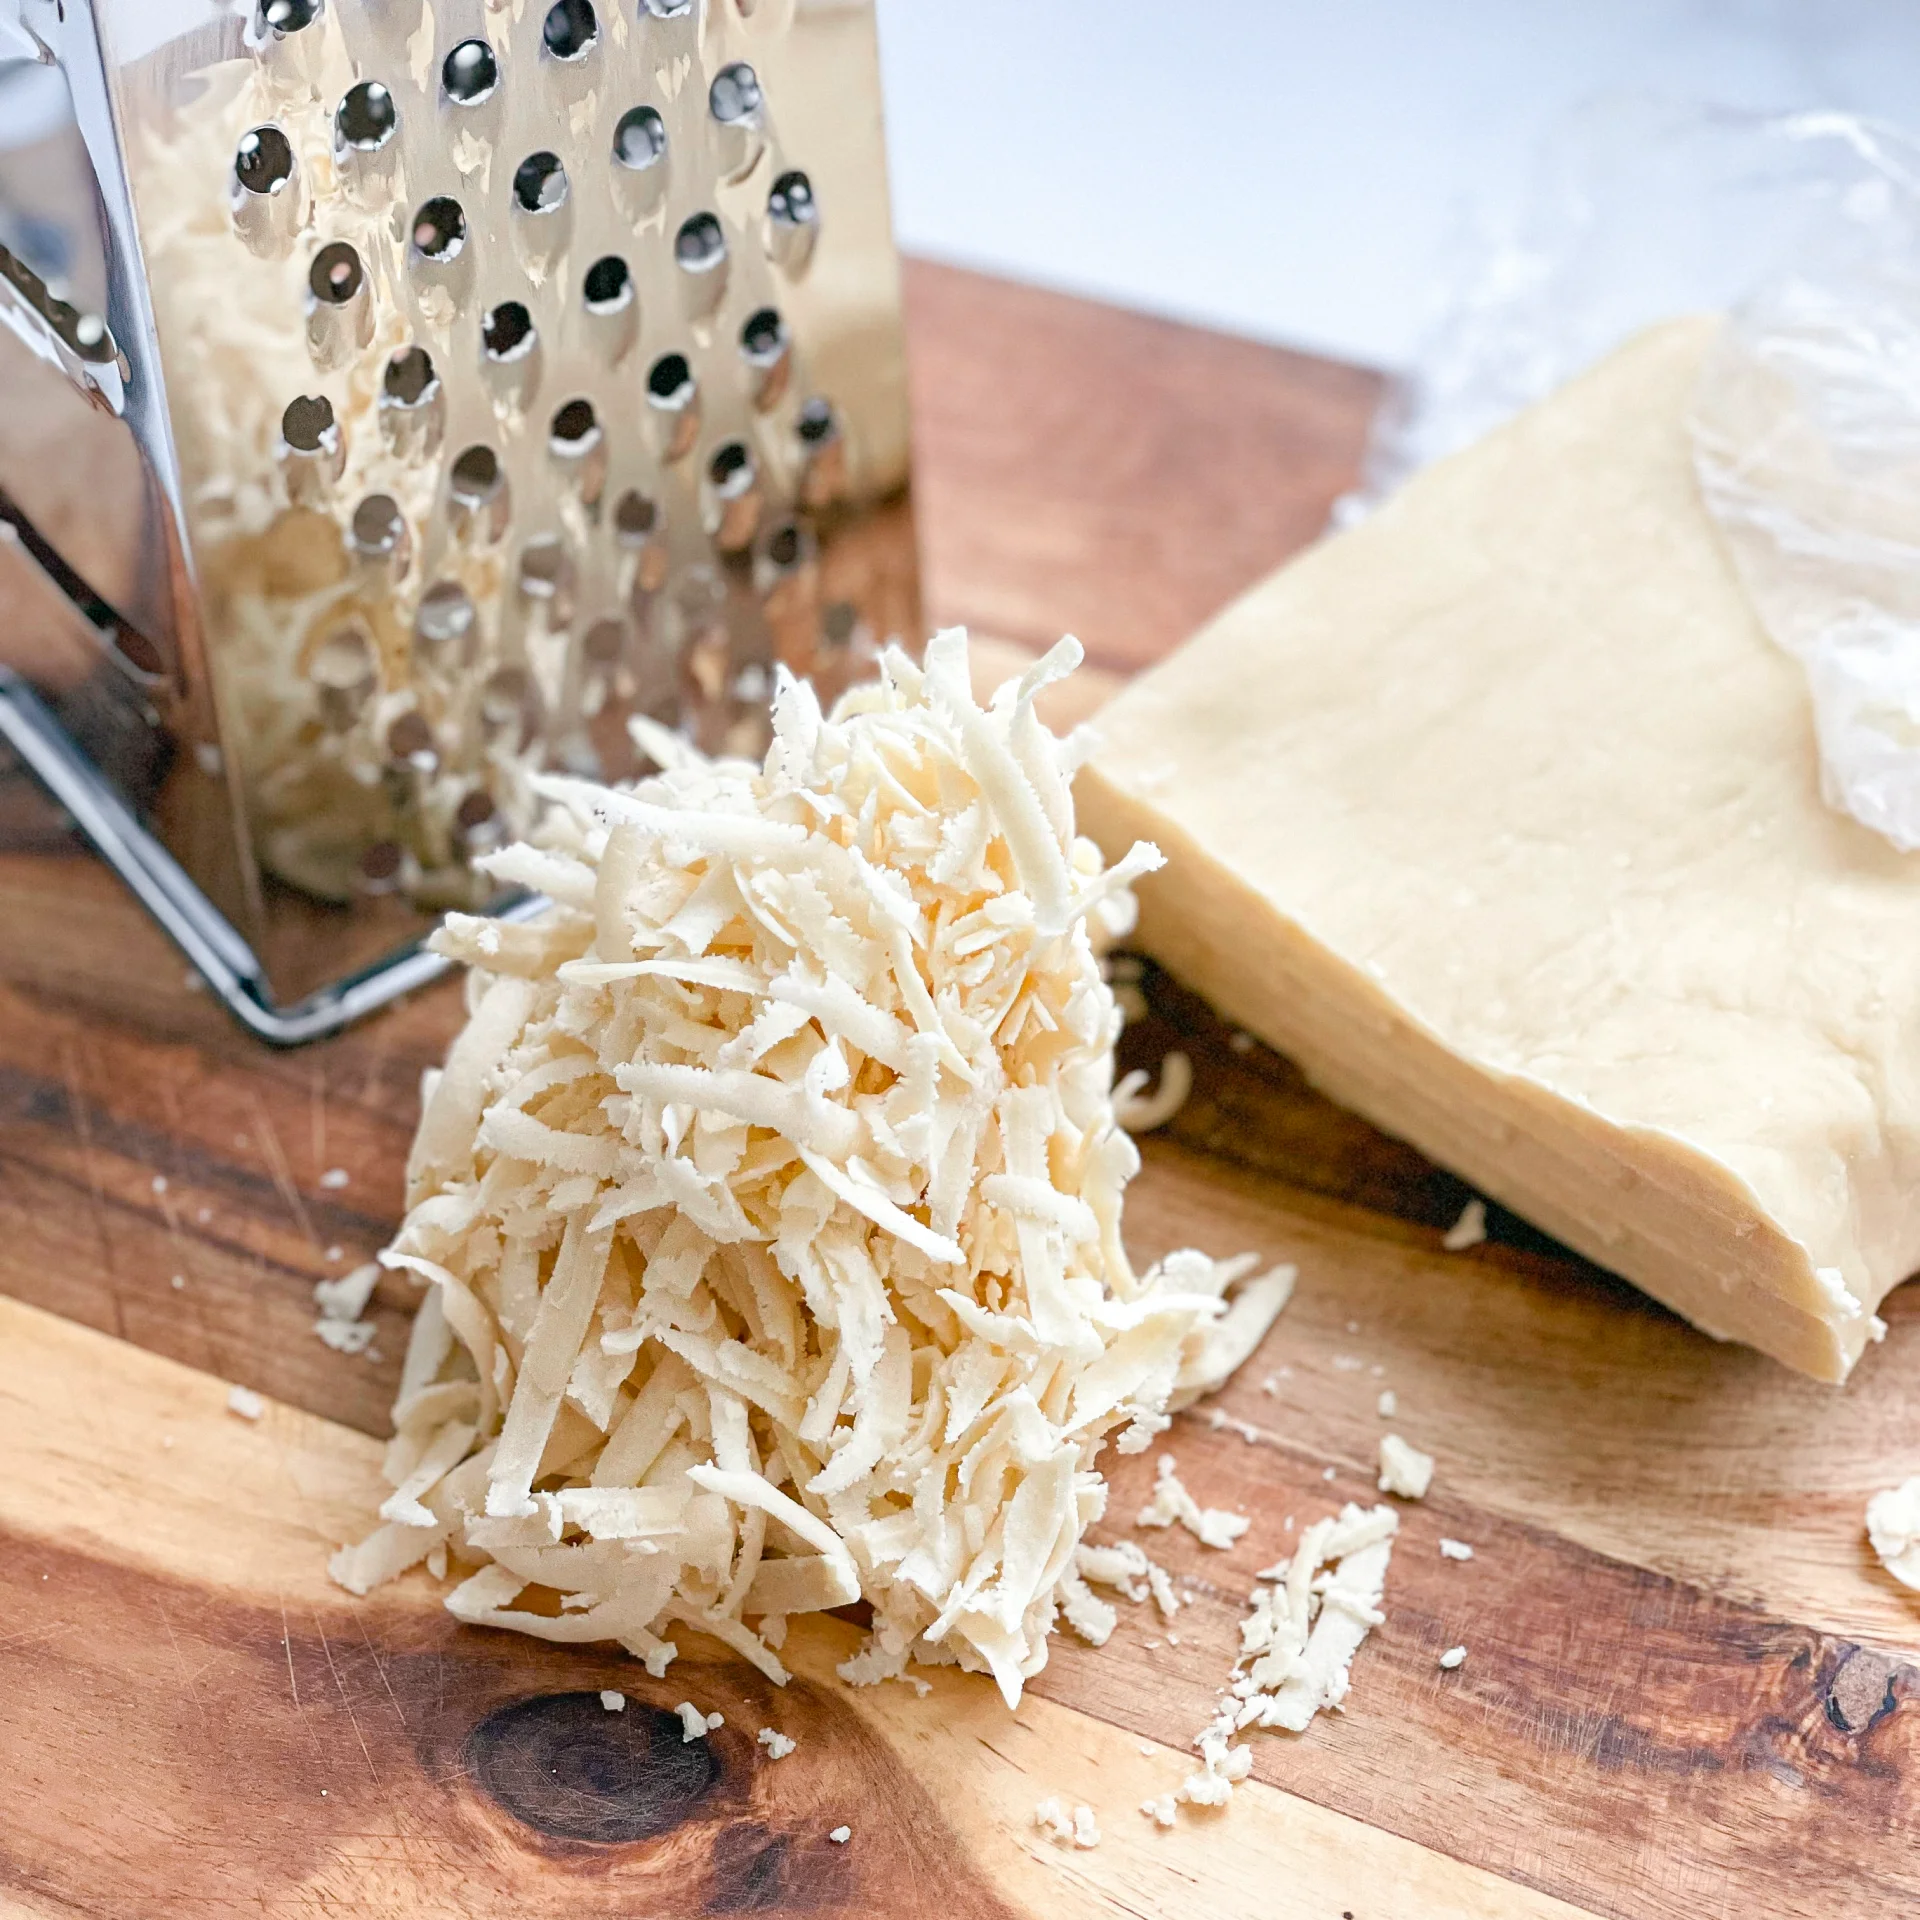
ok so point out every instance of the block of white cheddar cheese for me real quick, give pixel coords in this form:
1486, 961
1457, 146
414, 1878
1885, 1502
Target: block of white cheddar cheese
1501, 816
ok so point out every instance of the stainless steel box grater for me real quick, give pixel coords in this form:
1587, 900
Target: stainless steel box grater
474, 374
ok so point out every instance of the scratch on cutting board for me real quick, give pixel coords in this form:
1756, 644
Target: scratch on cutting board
380, 1667
326, 1647
34, 1636
277, 1166
299, 1706
180, 1660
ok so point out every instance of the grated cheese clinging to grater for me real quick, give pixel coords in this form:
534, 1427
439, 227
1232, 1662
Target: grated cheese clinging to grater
770, 1203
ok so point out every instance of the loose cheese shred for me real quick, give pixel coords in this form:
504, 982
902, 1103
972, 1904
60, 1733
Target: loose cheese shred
770, 1204
1893, 1527
1211, 1526
1469, 1230
1296, 1647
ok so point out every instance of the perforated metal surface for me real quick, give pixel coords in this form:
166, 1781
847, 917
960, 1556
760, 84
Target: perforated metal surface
525, 365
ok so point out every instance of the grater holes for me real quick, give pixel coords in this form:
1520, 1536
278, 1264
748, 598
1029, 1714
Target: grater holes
283, 17
470, 73
823, 453
507, 333
579, 449
635, 518
440, 229
640, 140
791, 202
476, 821
575, 428
443, 628
366, 119
409, 380
543, 567
786, 547
378, 531
336, 275
733, 505
263, 161
670, 381
476, 477
667, 9
410, 742
700, 246
764, 337
571, 30
540, 184
609, 285
308, 425
477, 494
731, 470
383, 867
735, 99
767, 348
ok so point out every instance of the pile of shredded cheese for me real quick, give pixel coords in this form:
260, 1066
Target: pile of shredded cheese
770, 1204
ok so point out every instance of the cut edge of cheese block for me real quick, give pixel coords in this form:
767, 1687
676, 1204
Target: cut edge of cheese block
1416, 1089
1674, 1214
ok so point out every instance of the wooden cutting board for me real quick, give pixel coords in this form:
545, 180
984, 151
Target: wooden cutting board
1687, 1687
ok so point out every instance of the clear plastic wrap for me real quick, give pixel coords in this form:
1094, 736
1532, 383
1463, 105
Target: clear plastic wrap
1806, 421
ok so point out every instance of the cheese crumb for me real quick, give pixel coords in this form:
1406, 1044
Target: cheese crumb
777, 1744
777, 1174
1893, 1526
840, 1836
612, 1701
1086, 1829
334, 1179
1163, 1812
346, 1336
1455, 1550
1404, 1469
1389, 1404
346, 1298
1453, 1657
1469, 1230
178, 1282
1051, 1818
1141, 1112
1171, 1502
693, 1723
245, 1402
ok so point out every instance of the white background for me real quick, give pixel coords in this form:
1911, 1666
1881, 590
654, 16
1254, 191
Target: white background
1297, 169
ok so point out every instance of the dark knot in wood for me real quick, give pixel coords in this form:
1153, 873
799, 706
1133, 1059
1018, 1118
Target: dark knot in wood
565, 1766
1862, 1690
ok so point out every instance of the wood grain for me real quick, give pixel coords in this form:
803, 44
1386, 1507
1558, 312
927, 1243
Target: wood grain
1086, 470
208, 1725
1688, 1686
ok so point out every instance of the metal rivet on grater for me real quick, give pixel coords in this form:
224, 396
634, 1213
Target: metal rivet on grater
508, 401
